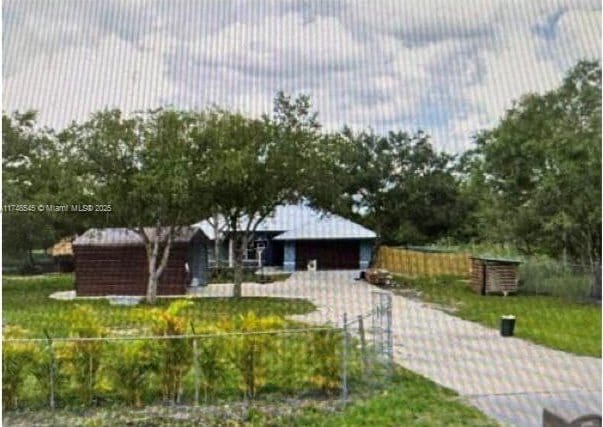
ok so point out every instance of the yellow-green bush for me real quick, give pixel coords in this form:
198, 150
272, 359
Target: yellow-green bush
324, 353
83, 357
212, 360
48, 368
175, 354
16, 359
130, 366
248, 351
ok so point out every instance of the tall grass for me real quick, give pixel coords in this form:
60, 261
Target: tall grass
548, 277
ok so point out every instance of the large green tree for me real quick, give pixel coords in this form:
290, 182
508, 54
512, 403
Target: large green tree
399, 185
143, 167
541, 168
36, 176
255, 165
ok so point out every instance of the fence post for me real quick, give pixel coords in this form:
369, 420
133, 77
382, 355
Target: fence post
365, 364
344, 361
389, 337
195, 366
51, 372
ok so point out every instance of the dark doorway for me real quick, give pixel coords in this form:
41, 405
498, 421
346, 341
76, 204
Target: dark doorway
329, 254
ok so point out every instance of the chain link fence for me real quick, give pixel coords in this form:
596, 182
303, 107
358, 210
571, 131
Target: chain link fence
251, 360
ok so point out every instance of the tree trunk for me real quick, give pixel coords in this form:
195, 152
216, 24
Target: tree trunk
237, 291
239, 249
217, 239
152, 288
217, 242
155, 271
30, 258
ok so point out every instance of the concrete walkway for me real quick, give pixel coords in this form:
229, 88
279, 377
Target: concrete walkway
509, 379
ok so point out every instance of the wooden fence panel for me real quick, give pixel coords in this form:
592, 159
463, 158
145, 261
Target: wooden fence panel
418, 263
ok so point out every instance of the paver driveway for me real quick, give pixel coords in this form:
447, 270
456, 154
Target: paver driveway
507, 378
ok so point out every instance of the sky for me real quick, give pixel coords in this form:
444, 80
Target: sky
447, 67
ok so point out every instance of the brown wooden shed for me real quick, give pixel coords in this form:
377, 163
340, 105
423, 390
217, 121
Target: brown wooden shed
494, 275
112, 261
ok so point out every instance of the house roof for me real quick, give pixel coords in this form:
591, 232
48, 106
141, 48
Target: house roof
126, 236
327, 227
302, 222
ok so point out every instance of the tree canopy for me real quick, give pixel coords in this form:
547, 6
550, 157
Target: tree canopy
533, 180
541, 168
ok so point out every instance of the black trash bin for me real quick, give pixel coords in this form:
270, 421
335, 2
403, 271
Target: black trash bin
507, 325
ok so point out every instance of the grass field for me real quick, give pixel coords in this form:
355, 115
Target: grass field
26, 303
405, 399
551, 321
409, 400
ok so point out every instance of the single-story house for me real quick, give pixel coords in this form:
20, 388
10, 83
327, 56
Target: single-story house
296, 236
113, 261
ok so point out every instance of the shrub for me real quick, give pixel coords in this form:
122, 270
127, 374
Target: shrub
130, 366
249, 350
16, 359
286, 363
48, 368
83, 357
211, 360
324, 352
175, 354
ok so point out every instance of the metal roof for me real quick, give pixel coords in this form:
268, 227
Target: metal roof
302, 222
126, 236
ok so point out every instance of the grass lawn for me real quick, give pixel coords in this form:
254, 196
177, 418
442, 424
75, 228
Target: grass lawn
409, 400
405, 399
551, 321
25, 303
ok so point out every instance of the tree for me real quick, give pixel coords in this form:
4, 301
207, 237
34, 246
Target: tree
258, 164
543, 166
33, 176
143, 167
401, 187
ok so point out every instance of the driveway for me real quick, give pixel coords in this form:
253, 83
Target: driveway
509, 379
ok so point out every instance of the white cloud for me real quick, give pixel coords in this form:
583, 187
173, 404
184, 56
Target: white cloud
112, 74
575, 34
449, 68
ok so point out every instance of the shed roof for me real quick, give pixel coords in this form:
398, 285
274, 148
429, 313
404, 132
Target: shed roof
127, 236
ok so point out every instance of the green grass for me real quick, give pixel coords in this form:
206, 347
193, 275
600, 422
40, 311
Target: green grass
26, 303
408, 400
555, 322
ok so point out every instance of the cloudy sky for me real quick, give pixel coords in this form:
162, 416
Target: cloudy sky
447, 67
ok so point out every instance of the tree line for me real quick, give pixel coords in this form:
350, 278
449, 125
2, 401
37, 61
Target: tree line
533, 180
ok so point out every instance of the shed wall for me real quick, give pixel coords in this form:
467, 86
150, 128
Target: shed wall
123, 270
500, 277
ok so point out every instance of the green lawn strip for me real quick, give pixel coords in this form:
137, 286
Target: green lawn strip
26, 303
551, 321
408, 400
